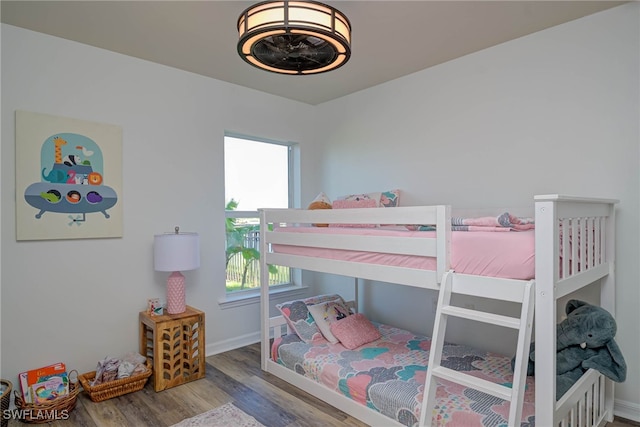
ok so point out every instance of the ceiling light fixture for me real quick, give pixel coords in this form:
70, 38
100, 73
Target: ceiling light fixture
294, 37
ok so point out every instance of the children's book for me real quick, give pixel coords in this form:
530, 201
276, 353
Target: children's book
24, 387
49, 388
33, 376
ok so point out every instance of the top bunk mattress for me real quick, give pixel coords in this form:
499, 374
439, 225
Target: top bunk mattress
509, 255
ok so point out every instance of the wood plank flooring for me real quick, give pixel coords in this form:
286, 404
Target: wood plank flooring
234, 376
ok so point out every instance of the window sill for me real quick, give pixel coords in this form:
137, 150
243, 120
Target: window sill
240, 299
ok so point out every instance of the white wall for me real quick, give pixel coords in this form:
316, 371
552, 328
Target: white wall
553, 112
487, 130
77, 301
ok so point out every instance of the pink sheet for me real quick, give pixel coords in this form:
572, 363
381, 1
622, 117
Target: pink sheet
506, 255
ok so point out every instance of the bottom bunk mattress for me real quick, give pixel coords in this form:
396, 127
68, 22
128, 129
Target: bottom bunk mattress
388, 375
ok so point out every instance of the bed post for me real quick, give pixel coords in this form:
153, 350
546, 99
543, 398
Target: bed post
264, 291
546, 273
608, 295
443, 237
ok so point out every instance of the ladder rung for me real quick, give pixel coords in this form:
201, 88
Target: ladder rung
485, 386
481, 316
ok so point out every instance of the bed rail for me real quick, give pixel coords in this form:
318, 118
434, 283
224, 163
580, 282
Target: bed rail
571, 240
584, 404
438, 247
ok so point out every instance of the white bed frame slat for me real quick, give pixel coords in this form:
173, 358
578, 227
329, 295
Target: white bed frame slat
500, 391
566, 250
588, 403
490, 287
580, 280
575, 248
425, 215
424, 246
405, 276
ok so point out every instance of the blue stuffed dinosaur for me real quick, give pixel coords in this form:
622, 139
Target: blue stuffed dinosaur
584, 340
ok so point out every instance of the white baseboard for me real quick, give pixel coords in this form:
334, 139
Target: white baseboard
627, 410
232, 343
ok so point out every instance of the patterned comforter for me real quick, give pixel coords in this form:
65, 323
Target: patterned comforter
388, 376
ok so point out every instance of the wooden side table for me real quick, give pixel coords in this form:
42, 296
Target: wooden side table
175, 344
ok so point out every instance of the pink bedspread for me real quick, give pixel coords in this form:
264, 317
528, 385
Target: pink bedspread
507, 255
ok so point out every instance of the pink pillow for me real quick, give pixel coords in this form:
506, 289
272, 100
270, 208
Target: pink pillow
354, 331
354, 204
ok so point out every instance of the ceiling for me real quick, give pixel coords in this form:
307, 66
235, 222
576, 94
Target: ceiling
390, 39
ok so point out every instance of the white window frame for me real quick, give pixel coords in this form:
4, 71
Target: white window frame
292, 289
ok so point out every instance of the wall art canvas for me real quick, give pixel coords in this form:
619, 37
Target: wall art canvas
68, 178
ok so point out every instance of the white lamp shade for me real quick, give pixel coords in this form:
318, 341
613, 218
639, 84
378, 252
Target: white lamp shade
176, 252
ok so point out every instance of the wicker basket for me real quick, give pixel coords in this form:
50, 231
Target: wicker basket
56, 409
5, 396
114, 388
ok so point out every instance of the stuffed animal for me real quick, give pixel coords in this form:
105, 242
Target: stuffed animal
584, 340
320, 202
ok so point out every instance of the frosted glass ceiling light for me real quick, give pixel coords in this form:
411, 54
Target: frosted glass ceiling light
294, 37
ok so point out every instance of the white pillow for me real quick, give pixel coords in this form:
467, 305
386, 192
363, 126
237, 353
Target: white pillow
326, 313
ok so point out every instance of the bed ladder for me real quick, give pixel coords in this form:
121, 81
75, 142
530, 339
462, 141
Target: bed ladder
517, 291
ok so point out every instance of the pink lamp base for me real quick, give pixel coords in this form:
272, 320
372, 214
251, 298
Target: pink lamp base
175, 294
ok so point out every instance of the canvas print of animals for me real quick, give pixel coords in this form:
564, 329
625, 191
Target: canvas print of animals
67, 170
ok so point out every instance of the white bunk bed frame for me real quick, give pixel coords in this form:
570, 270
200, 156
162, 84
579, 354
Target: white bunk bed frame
559, 271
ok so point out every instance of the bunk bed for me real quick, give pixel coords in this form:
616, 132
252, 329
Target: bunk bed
574, 242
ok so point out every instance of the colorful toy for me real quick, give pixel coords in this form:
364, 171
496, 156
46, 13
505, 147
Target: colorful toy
320, 202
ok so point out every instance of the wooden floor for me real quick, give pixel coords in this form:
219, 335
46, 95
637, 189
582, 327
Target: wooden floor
234, 376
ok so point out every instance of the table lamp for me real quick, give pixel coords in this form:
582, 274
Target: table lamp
176, 252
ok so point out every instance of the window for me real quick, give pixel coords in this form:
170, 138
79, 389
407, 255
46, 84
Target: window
258, 174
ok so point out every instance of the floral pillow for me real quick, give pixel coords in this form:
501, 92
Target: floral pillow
390, 199
297, 315
383, 199
326, 313
354, 331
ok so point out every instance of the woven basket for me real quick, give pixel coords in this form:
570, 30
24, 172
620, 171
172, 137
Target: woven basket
113, 388
5, 389
56, 409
